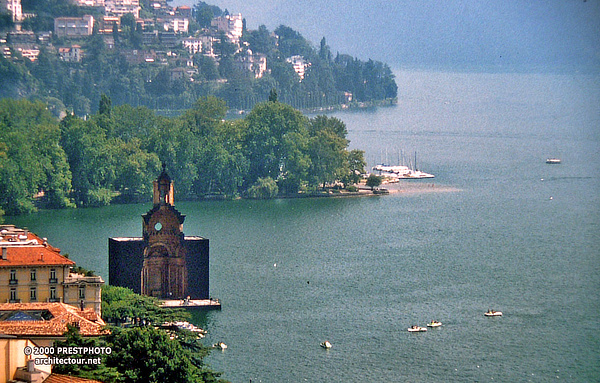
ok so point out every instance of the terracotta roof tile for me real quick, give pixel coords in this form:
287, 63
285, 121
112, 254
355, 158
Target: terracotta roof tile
89, 323
30, 251
57, 378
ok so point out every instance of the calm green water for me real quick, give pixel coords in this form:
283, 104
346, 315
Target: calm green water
358, 272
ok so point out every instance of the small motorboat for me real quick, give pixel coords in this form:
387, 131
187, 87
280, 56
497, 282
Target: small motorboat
434, 323
220, 345
493, 313
553, 161
326, 344
416, 328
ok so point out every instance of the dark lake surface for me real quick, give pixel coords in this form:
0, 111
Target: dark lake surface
497, 228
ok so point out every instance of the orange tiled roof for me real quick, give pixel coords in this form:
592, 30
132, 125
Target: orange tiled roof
30, 250
57, 378
89, 323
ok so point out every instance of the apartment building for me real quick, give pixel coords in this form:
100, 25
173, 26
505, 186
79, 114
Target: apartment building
300, 65
31, 270
122, 7
74, 26
231, 25
13, 7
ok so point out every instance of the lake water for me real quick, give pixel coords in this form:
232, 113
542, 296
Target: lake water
498, 229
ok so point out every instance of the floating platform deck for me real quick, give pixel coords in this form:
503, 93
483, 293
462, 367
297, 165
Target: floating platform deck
206, 304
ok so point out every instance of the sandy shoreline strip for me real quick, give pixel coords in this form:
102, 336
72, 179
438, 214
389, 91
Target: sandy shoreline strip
419, 187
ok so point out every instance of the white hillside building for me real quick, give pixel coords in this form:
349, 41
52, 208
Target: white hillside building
232, 25
300, 65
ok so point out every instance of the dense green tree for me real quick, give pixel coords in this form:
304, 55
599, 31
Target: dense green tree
264, 188
327, 149
120, 304
131, 31
373, 181
135, 170
91, 159
72, 338
284, 75
31, 160
117, 152
128, 122
16, 79
324, 51
275, 143
46, 68
141, 353
273, 95
292, 43
6, 22
220, 171
260, 40
356, 167
178, 148
146, 354
220, 163
207, 68
205, 117
204, 13
105, 105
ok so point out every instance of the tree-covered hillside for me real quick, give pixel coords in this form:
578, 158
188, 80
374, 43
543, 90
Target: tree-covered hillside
173, 79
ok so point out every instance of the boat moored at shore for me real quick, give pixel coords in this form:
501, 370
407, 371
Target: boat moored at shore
401, 172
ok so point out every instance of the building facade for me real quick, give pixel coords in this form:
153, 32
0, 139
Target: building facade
255, 63
193, 44
70, 54
231, 25
74, 26
300, 65
122, 7
13, 7
31, 270
176, 24
163, 263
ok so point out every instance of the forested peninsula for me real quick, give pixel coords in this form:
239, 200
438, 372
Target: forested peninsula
94, 102
114, 155
67, 54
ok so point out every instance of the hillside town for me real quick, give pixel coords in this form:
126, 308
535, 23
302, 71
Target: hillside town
166, 26
148, 53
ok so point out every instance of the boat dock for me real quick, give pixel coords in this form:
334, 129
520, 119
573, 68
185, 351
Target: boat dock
207, 304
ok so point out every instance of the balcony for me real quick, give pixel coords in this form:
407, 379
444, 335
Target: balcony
13, 281
53, 280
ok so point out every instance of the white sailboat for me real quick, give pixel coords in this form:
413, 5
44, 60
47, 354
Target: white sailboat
402, 171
